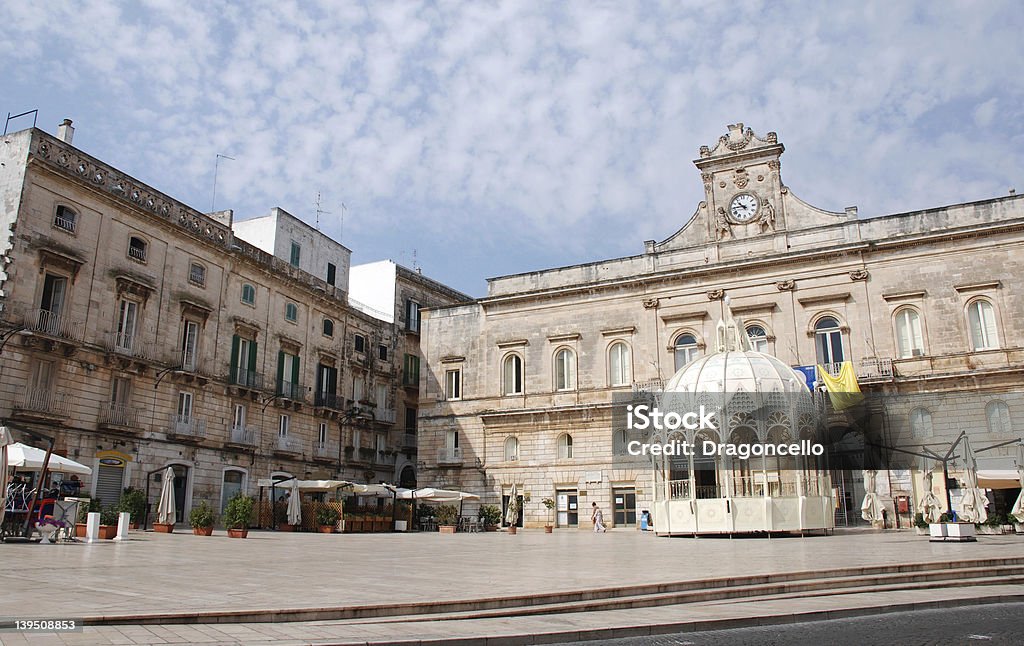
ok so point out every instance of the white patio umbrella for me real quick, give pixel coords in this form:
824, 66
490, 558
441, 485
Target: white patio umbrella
1018, 507
512, 514
972, 505
5, 439
23, 456
871, 508
166, 512
930, 506
295, 505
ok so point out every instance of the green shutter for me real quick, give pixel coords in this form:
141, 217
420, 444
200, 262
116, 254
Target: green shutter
295, 370
252, 355
280, 372
234, 358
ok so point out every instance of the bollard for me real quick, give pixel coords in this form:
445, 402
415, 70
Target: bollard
92, 527
122, 526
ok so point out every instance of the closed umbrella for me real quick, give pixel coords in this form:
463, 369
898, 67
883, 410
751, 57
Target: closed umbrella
5, 439
295, 505
972, 505
1018, 507
166, 512
871, 508
931, 507
512, 513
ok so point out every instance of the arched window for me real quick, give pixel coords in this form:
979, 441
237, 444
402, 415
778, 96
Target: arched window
997, 413
981, 321
511, 449
758, 338
921, 422
137, 248
620, 364
512, 375
828, 341
564, 446
65, 218
686, 349
565, 369
620, 442
248, 294
909, 341
328, 327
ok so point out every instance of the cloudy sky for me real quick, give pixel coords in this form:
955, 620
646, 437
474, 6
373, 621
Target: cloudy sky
488, 138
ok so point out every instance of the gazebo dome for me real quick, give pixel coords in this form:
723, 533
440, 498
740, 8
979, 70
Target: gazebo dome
737, 371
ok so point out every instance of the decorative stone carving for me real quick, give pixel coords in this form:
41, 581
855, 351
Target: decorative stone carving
740, 180
716, 294
722, 227
773, 164
859, 274
785, 285
772, 138
705, 151
650, 303
707, 177
730, 140
767, 220
721, 185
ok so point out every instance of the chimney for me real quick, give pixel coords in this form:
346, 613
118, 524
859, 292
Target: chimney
851, 213
65, 131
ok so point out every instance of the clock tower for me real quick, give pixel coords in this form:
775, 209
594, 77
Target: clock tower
742, 187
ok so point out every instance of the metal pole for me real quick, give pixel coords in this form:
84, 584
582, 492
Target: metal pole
27, 531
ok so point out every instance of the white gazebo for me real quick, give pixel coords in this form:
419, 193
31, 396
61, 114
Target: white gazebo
757, 400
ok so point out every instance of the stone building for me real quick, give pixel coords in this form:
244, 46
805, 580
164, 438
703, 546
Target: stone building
141, 333
520, 384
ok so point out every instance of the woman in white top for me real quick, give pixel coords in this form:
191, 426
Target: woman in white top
597, 518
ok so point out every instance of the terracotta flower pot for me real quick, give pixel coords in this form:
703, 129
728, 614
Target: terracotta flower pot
133, 525
163, 528
286, 527
107, 532
512, 529
79, 530
548, 529
326, 529
446, 529
238, 533
203, 531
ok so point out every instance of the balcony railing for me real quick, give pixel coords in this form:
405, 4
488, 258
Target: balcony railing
120, 415
287, 444
329, 400
290, 390
679, 489
243, 435
649, 386
325, 449
409, 441
449, 456
48, 401
247, 379
64, 222
875, 368
54, 324
186, 425
385, 415
184, 359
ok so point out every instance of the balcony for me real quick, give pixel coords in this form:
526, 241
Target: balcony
449, 456
325, 451
186, 428
409, 442
242, 436
120, 417
44, 404
875, 369
246, 379
291, 391
385, 415
649, 386
332, 401
287, 445
54, 325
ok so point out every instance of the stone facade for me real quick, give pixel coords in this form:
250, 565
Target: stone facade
921, 301
141, 333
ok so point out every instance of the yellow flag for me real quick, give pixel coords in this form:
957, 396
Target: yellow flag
843, 390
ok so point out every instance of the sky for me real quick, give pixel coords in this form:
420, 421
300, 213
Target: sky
479, 139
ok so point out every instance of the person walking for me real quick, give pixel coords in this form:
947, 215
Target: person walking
597, 518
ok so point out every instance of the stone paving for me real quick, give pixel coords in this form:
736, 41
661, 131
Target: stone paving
181, 573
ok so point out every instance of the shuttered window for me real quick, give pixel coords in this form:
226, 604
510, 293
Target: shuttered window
109, 484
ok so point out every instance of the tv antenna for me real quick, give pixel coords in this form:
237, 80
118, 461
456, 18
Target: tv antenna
319, 211
216, 167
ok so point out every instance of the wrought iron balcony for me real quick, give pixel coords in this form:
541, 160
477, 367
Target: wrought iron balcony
325, 450
54, 324
46, 401
186, 426
287, 444
289, 390
449, 456
329, 400
120, 415
409, 441
385, 415
243, 435
247, 379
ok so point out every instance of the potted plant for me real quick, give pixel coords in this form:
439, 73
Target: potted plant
83, 516
1018, 526
201, 519
490, 516
108, 523
920, 524
447, 517
237, 515
992, 525
549, 503
326, 518
133, 501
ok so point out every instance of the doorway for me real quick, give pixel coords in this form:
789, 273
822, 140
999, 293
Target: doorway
567, 508
624, 505
504, 510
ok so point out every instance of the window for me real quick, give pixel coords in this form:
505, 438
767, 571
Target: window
620, 442
758, 338
291, 312
126, 318
511, 449
828, 341
512, 375
332, 272
137, 248
410, 420
565, 369
120, 394
453, 384
412, 316
921, 422
197, 274
382, 352
288, 375
360, 343
620, 364
997, 413
909, 342
981, 320
189, 344
411, 370
65, 218
328, 327
359, 388
382, 396
185, 400
451, 444
243, 362
283, 425
296, 253
686, 350
382, 445
238, 421
55, 289
248, 294
321, 434
564, 446
326, 386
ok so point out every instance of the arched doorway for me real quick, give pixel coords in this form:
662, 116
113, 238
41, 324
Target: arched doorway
182, 488
407, 479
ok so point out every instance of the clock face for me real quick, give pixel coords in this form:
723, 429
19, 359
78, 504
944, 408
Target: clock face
743, 207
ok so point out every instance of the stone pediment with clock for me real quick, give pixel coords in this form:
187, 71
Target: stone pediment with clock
747, 209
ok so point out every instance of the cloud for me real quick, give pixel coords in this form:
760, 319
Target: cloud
536, 134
